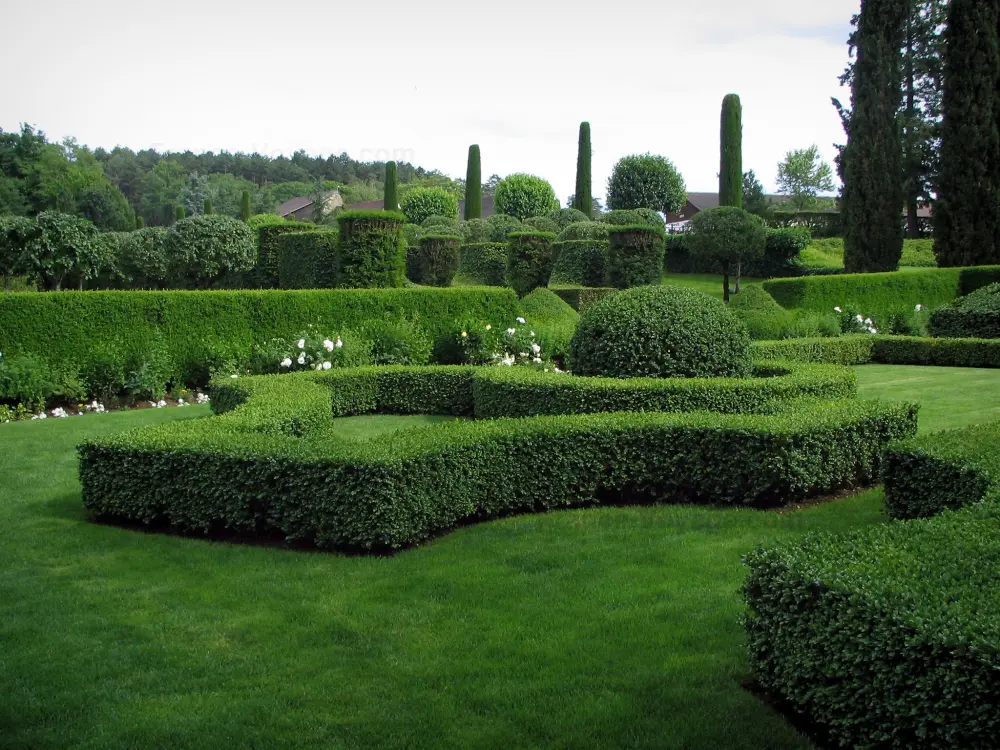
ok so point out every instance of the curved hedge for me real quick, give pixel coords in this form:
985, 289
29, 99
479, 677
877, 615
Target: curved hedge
977, 315
886, 350
270, 460
435, 261
372, 251
484, 262
307, 260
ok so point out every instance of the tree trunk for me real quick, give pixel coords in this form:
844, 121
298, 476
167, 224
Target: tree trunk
739, 271
725, 282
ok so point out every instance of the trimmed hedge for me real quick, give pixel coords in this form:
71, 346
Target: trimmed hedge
267, 274
484, 262
198, 329
780, 251
944, 471
529, 260
372, 251
307, 260
435, 261
977, 315
583, 262
881, 292
580, 298
887, 350
635, 256
888, 637
243, 471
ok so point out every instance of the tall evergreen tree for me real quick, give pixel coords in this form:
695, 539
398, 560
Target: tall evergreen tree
139, 222
474, 185
245, 205
583, 197
178, 213
390, 200
207, 208
731, 158
873, 198
967, 215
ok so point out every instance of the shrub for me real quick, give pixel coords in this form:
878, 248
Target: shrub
622, 218
660, 331
590, 230
552, 320
782, 251
650, 218
203, 248
580, 298
307, 260
846, 350
580, 262
266, 274
484, 263
474, 231
646, 181
371, 249
397, 342
420, 203
435, 261
542, 224
976, 315
529, 260
918, 254
412, 234
473, 185
202, 329
524, 195
257, 221
885, 637
887, 350
729, 236
439, 223
635, 256
143, 258
763, 317
582, 198
30, 381
58, 250
502, 225
390, 191
565, 217
401, 488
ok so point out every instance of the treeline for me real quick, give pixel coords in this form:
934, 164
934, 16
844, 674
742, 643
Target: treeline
113, 188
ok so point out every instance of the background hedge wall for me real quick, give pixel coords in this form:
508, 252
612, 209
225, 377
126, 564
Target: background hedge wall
372, 250
886, 350
307, 260
266, 274
484, 262
580, 262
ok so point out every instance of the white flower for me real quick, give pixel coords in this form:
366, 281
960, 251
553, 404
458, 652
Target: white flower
339, 342
508, 360
860, 319
302, 358
234, 376
532, 334
286, 362
180, 402
465, 335
489, 327
160, 404
868, 321
328, 345
522, 321
319, 365
838, 309
536, 348
302, 343
511, 331
537, 360
524, 355
327, 365
918, 308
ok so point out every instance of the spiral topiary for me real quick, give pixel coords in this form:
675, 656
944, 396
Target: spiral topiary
660, 332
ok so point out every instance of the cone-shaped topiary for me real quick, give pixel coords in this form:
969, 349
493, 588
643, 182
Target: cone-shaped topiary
731, 157
529, 260
660, 332
473, 186
582, 199
207, 209
139, 222
178, 213
245, 206
390, 201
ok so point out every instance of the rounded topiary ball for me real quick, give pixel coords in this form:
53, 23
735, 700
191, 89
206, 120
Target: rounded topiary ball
660, 332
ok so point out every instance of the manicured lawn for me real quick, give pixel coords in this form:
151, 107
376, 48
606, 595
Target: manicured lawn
617, 627
705, 282
949, 396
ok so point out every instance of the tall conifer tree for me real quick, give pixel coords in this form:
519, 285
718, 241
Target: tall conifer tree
390, 201
207, 210
731, 158
583, 198
473, 185
245, 205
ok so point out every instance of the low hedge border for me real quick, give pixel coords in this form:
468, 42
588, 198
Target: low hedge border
943, 471
581, 297
886, 350
888, 637
398, 489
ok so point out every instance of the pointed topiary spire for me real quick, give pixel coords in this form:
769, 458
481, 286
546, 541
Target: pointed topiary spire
208, 207
473, 186
731, 157
583, 199
245, 205
178, 213
390, 199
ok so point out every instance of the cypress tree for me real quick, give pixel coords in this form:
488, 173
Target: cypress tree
208, 207
178, 213
245, 205
966, 215
583, 198
139, 222
873, 197
731, 157
473, 186
390, 198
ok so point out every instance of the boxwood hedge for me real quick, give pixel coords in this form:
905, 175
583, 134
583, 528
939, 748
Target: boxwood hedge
583, 262
307, 260
580, 297
269, 461
484, 262
887, 350
977, 315
266, 274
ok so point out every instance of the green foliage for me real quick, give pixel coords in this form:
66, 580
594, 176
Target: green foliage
622, 218
889, 350
390, 198
783, 252
484, 263
529, 260
502, 225
580, 298
202, 249
731, 159
58, 250
398, 341
140, 223
564, 217
474, 231
650, 218
886, 636
918, 254
435, 261
473, 185
207, 208
439, 223
199, 329
179, 213
646, 181
589, 230
257, 221
307, 260
30, 381
580, 262
804, 175
104, 205
729, 236
582, 199
144, 260
524, 195
661, 332
754, 198
763, 317
421, 202
635, 256
371, 249
412, 234
266, 274
976, 315
552, 320
193, 473
542, 224
245, 211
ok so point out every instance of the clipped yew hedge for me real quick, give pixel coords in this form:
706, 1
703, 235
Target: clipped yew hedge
529, 260
307, 260
484, 263
268, 463
372, 251
635, 256
886, 350
267, 273
434, 262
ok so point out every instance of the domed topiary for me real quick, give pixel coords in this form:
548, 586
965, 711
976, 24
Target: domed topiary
660, 332
585, 230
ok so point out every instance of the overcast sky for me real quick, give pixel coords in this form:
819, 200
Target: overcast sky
420, 81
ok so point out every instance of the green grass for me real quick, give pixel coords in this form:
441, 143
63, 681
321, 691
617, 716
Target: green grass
949, 396
373, 425
829, 253
705, 282
609, 628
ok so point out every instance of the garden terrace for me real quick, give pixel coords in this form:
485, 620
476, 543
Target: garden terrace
272, 460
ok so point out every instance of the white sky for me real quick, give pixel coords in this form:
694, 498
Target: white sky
420, 82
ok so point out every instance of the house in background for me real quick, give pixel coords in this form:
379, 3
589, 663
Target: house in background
377, 206
303, 208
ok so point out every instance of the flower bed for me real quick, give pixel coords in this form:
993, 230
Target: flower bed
271, 460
